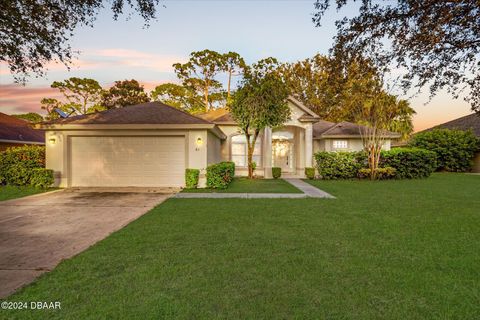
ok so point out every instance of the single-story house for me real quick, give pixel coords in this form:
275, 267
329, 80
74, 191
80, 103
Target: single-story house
16, 132
470, 122
152, 144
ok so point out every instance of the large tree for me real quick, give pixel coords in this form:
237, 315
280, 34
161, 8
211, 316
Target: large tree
124, 93
35, 32
198, 74
81, 94
178, 96
437, 43
260, 102
234, 65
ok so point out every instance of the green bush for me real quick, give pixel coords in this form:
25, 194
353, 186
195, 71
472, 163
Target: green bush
16, 164
220, 175
455, 149
339, 165
276, 172
310, 173
380, 173
41, 178
409, 163
191, 178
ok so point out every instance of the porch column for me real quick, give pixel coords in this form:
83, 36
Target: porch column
308, 145
267, 153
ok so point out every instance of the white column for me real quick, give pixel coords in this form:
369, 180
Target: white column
267, 153
308, 145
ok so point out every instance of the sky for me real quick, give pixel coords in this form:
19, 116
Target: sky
256, 29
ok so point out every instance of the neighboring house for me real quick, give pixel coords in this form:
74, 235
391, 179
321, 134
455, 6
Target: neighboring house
152, 144
16, 132
470, 122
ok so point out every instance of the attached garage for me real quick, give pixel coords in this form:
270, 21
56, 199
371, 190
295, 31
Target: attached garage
146, 145
146, 161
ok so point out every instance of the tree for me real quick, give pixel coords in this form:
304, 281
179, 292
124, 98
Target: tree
49, 105
260, 102
82, 94
199, 73
234, 65
34, 33
436, 42
31, 117
376, 115
331, 86
178, 96
124, 93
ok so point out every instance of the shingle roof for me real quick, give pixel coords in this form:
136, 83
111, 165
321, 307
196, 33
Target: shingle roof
145, 113
327, 129
471, 121
15, 129
219, 116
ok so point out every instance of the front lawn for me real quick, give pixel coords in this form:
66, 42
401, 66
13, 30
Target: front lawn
13, 192
245, 185
380, 250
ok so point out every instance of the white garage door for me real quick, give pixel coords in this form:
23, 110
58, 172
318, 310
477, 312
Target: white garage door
127, 161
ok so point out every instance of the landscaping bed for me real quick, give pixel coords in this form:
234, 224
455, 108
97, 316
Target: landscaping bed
245, 185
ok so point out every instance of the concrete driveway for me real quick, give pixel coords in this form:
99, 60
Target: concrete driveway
39, 231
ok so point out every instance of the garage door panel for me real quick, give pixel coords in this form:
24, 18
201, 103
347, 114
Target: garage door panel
127, 161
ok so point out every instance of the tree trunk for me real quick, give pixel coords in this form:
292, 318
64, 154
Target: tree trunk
205, 93
228, 84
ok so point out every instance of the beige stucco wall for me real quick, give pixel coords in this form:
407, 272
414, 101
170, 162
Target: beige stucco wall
57, 154
213, 149
476, 163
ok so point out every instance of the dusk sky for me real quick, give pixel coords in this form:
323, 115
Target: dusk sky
118, 50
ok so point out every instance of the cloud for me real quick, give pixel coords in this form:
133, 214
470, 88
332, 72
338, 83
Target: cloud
15, 98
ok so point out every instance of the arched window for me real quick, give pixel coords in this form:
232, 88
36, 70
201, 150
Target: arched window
240, 151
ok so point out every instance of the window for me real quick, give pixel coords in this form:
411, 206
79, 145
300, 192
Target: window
340, 144
240, 151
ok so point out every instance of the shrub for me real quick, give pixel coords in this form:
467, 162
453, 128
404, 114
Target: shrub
380, 173
16, 164
410, 163
339, 165
276, 172
310, 173
42, 178
191, 178
220, 175
455, 149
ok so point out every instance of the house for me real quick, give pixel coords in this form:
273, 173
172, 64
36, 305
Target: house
152, 144
470, 122
16, 132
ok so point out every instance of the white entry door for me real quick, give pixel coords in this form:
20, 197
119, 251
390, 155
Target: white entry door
124, 161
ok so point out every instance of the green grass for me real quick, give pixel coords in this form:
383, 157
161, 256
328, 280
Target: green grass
13, 192
245, 185
380, 250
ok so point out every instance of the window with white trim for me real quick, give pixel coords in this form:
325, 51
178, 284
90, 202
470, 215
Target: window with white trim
240, 151
340, 144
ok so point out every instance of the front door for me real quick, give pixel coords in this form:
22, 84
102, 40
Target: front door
282, 154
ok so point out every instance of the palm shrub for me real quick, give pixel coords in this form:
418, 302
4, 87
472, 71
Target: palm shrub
455, 149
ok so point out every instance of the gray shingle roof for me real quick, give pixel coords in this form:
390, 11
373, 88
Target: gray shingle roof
465, 123
14, 129
145, 113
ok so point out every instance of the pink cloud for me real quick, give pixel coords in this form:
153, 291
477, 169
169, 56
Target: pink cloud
15, 98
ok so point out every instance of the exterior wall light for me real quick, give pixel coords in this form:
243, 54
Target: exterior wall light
52, 140
199, 142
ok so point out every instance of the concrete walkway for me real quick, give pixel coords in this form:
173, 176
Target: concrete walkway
308, 190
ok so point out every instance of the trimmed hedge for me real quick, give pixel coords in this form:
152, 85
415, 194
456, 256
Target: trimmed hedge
380, 173
220, 175
17, 164
191, 178
42, 178
310, 173
276, 172
455, 149
339, 165
409, 163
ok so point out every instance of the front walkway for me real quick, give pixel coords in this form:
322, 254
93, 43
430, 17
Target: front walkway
309, 191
